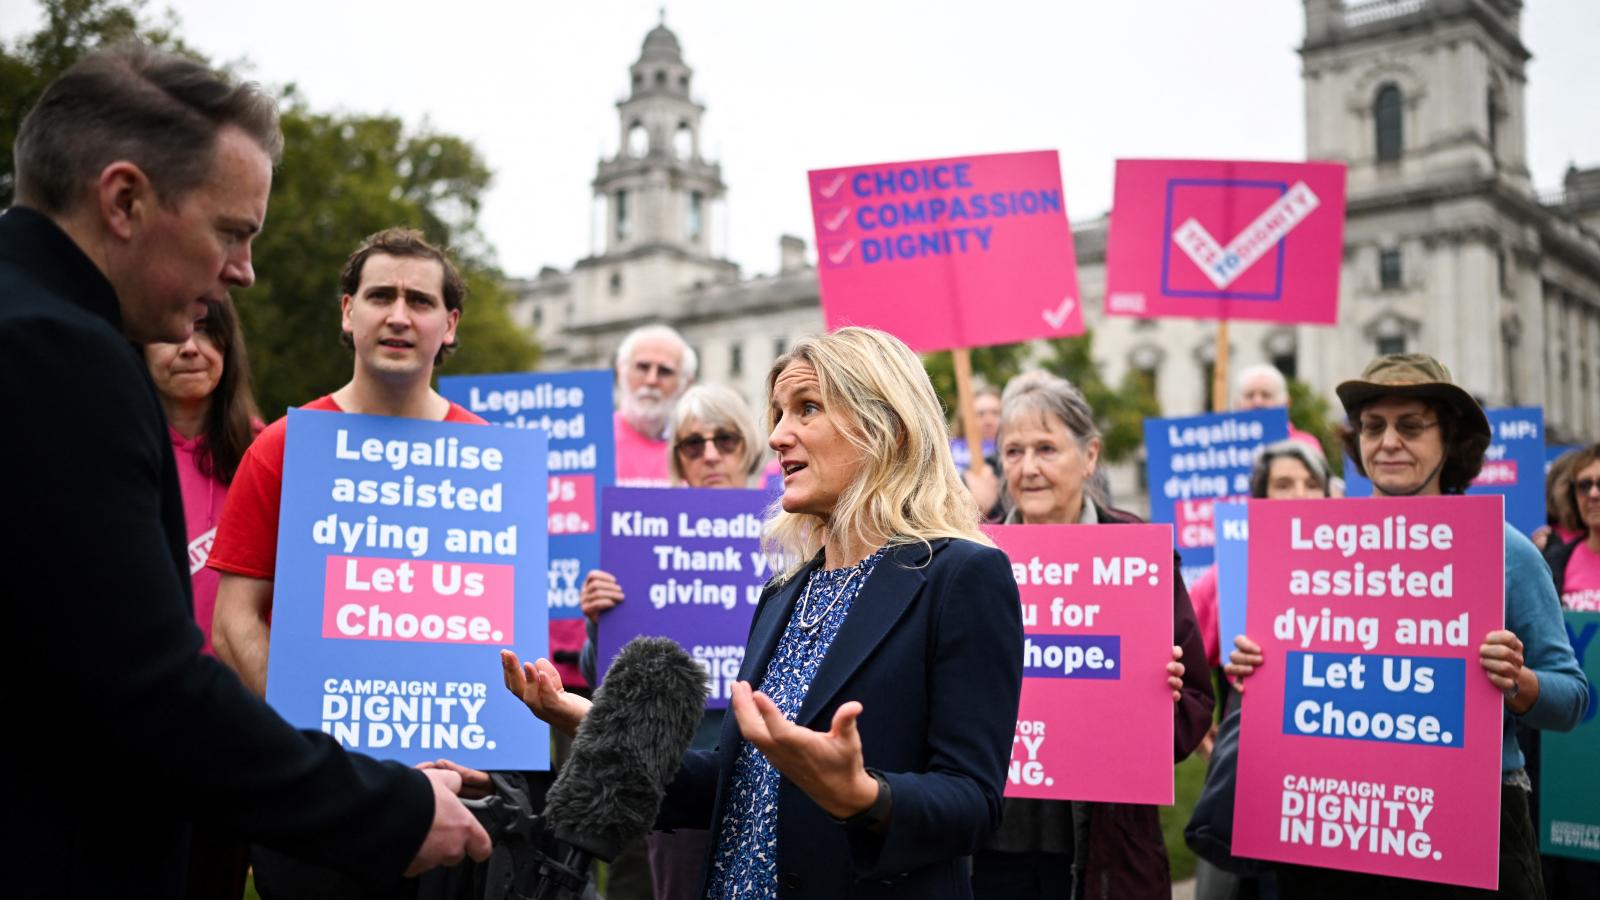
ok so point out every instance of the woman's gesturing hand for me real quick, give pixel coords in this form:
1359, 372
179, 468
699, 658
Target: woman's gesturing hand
827, 765
538, 684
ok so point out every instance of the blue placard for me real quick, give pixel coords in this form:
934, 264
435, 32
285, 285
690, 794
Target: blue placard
1196, 460
1513, 467
409, 553
690, 566
1374, 697
1094, 656
1233, 573
574, 409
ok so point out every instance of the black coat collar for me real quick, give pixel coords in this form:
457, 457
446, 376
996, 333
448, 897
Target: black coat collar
34, 242
894, 585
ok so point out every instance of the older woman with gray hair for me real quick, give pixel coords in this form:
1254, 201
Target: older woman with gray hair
1049, 448
713, 442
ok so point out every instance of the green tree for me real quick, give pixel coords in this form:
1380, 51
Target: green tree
1120, 411
71, 29
342, 177
992, 365
1309, 411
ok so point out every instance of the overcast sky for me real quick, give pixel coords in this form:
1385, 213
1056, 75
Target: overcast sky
795, 86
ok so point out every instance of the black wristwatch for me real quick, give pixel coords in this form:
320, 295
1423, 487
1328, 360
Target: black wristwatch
876, 814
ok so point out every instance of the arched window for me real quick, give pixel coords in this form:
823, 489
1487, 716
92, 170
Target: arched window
638, 140
624, 224
683, 142
1386, 111
1494, 113
697, 214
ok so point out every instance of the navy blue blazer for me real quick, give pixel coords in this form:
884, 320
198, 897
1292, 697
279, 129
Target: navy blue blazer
932, 648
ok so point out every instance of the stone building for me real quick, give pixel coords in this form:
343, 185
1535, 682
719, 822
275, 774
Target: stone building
1448, 248
656, 201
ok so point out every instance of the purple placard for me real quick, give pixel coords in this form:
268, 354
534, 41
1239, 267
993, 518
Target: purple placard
690, 565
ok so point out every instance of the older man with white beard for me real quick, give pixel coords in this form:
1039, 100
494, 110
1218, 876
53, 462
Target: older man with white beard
654, 367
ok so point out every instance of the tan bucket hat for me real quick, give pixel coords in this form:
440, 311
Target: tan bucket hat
1412, 375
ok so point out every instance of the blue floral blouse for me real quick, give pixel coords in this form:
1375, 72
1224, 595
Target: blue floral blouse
746, 861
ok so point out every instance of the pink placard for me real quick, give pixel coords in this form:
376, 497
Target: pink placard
962, 252
1371, 737
418, 601
1216, 239
572, 508
1095, 721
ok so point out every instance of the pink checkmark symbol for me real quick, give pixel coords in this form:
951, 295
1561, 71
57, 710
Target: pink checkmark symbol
829, 190
833, 222
839, 254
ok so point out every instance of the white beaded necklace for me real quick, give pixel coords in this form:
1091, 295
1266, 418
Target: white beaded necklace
805, 599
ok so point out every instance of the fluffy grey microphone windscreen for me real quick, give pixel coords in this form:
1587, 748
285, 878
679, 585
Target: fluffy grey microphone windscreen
629, 747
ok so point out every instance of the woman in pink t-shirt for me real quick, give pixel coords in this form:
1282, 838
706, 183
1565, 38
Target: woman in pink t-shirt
204, 384
1575, 563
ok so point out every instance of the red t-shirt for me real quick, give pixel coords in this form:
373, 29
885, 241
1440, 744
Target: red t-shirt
1580, 589
247, 537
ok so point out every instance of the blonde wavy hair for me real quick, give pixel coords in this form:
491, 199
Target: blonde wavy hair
907, 491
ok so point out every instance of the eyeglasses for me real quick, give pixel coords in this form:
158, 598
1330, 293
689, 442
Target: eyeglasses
694, 446
1586, 485
1408, 427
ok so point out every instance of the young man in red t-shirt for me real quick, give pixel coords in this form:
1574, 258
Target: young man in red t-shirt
401, 304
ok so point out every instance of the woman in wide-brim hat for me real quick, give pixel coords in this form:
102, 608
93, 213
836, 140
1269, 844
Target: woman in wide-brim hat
1414, 432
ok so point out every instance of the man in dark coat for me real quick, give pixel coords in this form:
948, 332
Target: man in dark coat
141, 178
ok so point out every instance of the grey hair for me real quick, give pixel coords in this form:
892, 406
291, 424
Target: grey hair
688, 360
1046, 394
1258, 370
1290, 449
157, 110
718, 406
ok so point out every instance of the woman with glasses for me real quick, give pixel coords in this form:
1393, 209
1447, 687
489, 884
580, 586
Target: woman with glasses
204, 386
713, 443
866, 752
1575, 562
1049, 448
1415, 433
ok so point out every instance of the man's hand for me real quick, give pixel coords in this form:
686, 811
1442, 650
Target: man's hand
538, 684
599, 594
455, 833
475, 785
827, 765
